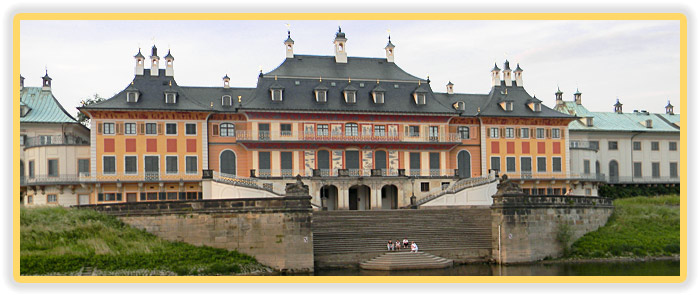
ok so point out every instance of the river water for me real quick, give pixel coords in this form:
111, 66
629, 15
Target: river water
646, 268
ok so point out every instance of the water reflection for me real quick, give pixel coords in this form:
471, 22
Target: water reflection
649, 268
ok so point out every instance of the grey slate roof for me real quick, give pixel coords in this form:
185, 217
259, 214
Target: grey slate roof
612, 121
520, 99
44, 107
357, 68
152, 95
301, 97
472, 102
210, 97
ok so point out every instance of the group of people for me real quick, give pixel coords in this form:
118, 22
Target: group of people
391, 246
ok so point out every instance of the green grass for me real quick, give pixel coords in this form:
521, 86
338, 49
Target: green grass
60, 240
639, 227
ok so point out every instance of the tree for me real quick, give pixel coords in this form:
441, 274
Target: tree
82, 118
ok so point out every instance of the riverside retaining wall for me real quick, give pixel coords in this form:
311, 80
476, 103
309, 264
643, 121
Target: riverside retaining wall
528, 225
276, 231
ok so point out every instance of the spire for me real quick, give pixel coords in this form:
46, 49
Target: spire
450, 87
506, 74
669, 108
518, 76
227, 81
495, 68
289, 44
46, 81
169, 70
341, 55
577, 97
389, 49
495, 76
139, 59
558, 96
155, 60
618, 106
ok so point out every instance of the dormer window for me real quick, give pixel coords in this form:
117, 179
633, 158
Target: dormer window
170, 97
589, 121
226, 101
507, 106
350, 96
276, 94
536, 106
23, 110
132, 96
648, 124
419, 97
458, 105
378, 97
321, 95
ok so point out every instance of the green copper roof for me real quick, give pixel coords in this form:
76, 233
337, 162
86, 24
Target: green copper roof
44, 108
611, 121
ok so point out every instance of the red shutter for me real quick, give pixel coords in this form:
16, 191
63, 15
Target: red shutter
215, 130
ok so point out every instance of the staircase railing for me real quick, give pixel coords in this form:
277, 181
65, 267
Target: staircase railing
239, 181
456, 187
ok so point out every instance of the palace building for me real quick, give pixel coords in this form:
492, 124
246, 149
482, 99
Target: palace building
362, 133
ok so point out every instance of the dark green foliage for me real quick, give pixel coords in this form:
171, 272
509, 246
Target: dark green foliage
616, 192
639, 227
60, 240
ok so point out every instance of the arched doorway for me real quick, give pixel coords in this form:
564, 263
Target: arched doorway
227, 162
614, 171
464, 164
359, 197
390, 197
329, 197
380, 161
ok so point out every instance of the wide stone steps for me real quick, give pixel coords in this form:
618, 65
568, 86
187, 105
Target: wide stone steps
406, 260
344, 232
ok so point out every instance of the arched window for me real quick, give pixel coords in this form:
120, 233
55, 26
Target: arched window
227, 162
614, 171
227, 129
464, 164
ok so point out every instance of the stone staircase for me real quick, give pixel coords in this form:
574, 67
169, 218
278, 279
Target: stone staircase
347, 232
406, 260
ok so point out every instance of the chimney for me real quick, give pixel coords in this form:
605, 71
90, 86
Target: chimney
495, 76
577, 97
450, 88
506, 74
341, 55
46, 85
169, 71
138, 70
518, 76
389, 51
289, 45
154, 61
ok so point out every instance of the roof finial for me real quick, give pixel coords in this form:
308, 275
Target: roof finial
339, 31
239, 99
288, 32
388, 31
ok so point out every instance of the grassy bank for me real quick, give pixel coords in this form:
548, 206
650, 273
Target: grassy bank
64, 241
639, 227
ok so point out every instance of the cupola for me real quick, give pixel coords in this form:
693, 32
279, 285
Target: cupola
450, 87
518, 76
669, 108
506, 74
289, 45
227, 82
389, 51
46, 85
169, 71
495, 76
155, 60
558, 96
139, 59
618, 107
341, 55
577, 97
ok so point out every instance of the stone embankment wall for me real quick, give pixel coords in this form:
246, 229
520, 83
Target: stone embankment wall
276, 231
528, 225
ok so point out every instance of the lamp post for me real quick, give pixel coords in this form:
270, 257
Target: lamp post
413, 195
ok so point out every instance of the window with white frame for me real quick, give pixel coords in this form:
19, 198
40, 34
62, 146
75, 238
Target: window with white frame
171, 164
129, 128
493, 132
350, 96
51, 199
463, 132
540, 133
151, 128
170, 97
556, 164
276, 94
556, 133
109, 165
378, 96
322, 130
541, 164
227, 130
510, 164
226, 100
108, 128
171, 128
130, 164
191, 129
496, 163
524, 132
510, 132
321, 95
351, 129
191, 165
132, 96
379, 130
420, 98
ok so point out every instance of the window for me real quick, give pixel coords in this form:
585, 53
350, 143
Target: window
30, 169
350, 96
83, 167
420, 98
540, 133
171, 128
226, 101
30, 200
434, 164
151, 165
556, 133
264, 164
171, 164
130, 165
655, 169
379, 130
637, 145
109, 197
586, 167
51, 199
322, 130
493, 131
227, 130
654, 145
413, 131
496, 163
537, 107
612, 145
46, 139
525, 165
594, 144
276, 94
414, 163
21, 139
556, 164
286, 163
588, 192
672, 146
191, 129
637, 169
424, 186
510, 164
129, 128
132, 96
170, 97
171, 195
433, 133
151, 128
109, 165
463, 132
320, 95
541, 164
107, 128
673, 170
191, 165
286, 129
53, 167
524, 132
510, 132
378, 97
351, 129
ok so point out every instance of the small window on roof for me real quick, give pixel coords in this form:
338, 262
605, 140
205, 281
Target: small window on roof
459, 105
537, 107
276, 94
226, 101
170, 97
378, 96
350, 96
420, 98
332, 83
321, 95
132, 96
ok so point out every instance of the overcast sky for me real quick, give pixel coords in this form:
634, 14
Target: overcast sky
635, 61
